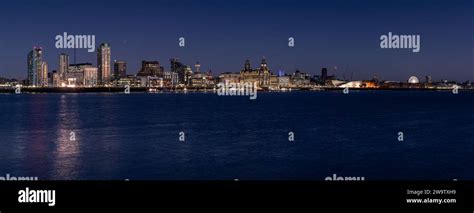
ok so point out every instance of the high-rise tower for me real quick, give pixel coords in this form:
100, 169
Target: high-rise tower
35, 67
103, 63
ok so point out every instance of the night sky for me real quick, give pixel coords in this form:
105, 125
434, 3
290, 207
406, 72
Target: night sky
222, 34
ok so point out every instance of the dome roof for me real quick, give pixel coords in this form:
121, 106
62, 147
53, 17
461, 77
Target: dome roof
413, 80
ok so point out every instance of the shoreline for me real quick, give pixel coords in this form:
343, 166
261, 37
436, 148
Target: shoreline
204, 90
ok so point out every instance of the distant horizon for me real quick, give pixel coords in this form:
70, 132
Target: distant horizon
221, 35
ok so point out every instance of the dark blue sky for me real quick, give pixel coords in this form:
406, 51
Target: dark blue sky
222, 34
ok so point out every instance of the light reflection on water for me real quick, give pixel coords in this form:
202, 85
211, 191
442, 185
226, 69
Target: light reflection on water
136, 136
67, 142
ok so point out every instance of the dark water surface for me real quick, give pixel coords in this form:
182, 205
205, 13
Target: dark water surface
135, 136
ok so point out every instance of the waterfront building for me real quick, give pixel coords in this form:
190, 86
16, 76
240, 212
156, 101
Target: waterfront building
413, 80
35, 67
284, 81
132, 81
229, 77
204, 80
324, 78
299, 78
120, 69
170, 78
179, 68
103, 64
75, 75
44, 74
56, 79
264, 73
90, 76
151, 68
261, 75
351, 84
324, 73
248, 74
63, 67
188, 72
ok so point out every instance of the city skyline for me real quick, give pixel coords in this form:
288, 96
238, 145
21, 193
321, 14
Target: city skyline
330, 35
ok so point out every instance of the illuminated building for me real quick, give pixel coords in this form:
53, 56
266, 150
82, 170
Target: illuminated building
63, 67
35, 66
56, 82
284, 81
261, 75
413, 80
204, 80
151, 68
188, 72
264, 73
75, 75
369, 84
170, 78
179, 68
90, 76
248, 74
351, 84
44, 74
229, 77
103, 63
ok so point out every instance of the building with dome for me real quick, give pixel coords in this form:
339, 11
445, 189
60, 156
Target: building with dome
413, 80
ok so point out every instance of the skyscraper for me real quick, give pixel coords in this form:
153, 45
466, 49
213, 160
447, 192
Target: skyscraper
120, 69
63, 67
179, 68
44, 74
103, 63
324, 73
35, 67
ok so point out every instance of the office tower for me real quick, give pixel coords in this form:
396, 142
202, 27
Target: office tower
35, 65
120, 69
150, 68
103, 63
179, 68
63, 67
324, 73
44, 74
